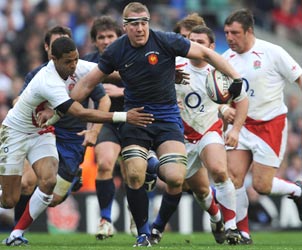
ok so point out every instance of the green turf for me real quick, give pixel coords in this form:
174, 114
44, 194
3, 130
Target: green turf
171, 241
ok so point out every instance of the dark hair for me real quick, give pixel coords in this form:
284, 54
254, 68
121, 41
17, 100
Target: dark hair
104, 23
243, 16
189, 22
57, 30
200, 29
61, 46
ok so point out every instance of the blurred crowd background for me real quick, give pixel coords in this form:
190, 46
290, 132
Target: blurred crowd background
23, 24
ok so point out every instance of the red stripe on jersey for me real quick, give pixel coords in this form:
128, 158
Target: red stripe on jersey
193, 136
180, 65
269, 131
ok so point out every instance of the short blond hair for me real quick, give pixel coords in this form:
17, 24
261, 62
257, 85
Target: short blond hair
135, 7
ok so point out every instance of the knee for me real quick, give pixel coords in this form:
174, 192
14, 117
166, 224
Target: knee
105, 166
8, 201
175, 179
219, 175
135, 179
47, 185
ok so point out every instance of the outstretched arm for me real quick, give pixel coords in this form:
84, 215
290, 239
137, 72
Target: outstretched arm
134, 116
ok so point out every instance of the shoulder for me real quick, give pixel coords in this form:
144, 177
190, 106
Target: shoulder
164, 35
268, 46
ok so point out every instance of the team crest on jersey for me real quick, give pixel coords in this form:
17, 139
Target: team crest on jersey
153, 59
257, 64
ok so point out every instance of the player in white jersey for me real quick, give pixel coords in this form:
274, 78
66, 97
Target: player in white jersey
266, 69
204, 142
23, 138
205, 145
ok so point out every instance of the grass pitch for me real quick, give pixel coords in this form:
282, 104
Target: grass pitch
170, 241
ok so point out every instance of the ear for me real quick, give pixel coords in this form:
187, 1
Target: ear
46, 47
124, 27
212, 46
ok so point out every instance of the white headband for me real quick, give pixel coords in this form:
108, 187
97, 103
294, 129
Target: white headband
135, 19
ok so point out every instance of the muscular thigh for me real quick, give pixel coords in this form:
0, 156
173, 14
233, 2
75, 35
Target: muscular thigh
262, 177
13, 151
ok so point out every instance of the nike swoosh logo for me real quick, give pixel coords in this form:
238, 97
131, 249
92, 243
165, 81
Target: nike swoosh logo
127, 65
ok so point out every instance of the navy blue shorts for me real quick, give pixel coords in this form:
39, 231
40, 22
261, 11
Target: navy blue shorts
71, 155
151, 136
109, 132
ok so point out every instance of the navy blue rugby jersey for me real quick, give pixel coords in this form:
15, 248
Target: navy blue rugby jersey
148, 71
117, 103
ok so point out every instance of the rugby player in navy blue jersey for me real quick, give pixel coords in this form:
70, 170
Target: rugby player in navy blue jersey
104, 31
145, 60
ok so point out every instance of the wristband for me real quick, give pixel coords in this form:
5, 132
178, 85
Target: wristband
223, 109
52, 120
119, 117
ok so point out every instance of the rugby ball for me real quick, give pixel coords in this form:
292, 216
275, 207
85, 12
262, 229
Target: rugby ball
217, 85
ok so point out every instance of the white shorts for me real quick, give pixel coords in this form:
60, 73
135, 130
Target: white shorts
267, 146
194, 150
16, 146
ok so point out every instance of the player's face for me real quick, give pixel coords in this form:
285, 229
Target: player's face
138, 32
104, 38
237, 39
67, 64
52, 39
202, 39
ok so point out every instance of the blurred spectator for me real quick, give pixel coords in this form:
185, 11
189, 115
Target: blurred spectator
294, 170
286, 20
294, 101
262, 12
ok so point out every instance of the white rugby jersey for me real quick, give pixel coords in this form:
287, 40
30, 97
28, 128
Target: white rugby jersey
265, 68
46, 87
199, 112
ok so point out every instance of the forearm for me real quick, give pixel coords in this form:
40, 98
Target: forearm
221, 64
241, 114
86, 84
104, 106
